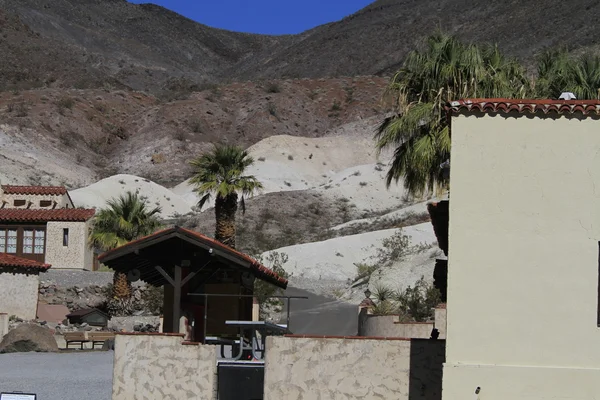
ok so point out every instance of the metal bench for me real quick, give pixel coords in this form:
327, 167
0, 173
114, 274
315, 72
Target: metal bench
258, 332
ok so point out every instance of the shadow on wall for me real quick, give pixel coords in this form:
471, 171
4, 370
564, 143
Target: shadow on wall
427, 357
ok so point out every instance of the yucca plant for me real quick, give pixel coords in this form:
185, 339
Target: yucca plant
445, 69
125, 219
220, 173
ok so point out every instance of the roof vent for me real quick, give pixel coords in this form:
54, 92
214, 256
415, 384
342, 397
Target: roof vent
567, 96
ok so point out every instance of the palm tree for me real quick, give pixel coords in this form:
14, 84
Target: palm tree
125, 219
559, 72
220, 173
446, 69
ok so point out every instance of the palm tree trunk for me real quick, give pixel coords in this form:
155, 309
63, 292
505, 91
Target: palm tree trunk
225, 209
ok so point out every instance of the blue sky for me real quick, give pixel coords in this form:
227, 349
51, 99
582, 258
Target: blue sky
263, 16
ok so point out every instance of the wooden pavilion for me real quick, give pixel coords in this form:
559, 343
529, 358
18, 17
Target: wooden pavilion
188, 263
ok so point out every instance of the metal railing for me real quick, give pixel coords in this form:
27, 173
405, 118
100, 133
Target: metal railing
207, 295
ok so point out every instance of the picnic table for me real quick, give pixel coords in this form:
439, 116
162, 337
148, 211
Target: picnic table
257, 331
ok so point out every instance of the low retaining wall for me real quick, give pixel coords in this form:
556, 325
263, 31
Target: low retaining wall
348, 368
161, 366
389, 326
3, 325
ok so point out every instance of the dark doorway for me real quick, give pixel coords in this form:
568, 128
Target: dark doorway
241, 381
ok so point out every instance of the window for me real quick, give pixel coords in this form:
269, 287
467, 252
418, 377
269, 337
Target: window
28, 241
65, 236
45, 203
39, 242
18, 203
11, 241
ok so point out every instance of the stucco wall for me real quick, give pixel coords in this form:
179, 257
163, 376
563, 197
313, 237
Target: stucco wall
19, 294
62, 200
304, 368
158, 366
440, 321
388, 326
523, 257
77, 255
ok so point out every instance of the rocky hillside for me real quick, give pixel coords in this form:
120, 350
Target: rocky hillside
78, 136
92, 43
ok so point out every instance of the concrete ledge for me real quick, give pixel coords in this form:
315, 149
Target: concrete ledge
345, 337
149, 334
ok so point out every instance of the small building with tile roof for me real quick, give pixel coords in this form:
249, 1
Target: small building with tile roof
204, 280
523, 235
53, 236
19, 281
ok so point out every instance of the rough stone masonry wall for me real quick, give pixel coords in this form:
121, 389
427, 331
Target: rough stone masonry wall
77, 255
159, 367
19, 294
314, 368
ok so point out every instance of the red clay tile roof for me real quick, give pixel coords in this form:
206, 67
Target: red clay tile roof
530, 106
39, 190
8, 260
59, 214
255, 265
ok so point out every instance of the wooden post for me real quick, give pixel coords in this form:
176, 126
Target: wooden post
176, 298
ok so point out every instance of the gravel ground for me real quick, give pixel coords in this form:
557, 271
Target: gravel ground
52, 376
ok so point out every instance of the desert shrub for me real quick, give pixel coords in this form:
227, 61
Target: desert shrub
273, 87
264, 290
356, 173
158, 158
272, 108
349, 94
394, 248
384, 308
21, 109
65, 102
419, 300
290, 157
364, 270
152, 299
336, 106
261, 158
180, 136
195, 125
363, 184
116, 130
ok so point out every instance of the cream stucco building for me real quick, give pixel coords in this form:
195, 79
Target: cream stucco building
524, 232
39, 223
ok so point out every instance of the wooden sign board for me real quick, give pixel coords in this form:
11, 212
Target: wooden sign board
17, 396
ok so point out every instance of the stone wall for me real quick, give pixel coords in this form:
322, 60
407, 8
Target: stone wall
161, 367
18, 293
77, 255
348, 368
389, 326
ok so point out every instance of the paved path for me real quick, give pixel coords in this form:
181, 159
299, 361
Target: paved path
54, 376
320, 315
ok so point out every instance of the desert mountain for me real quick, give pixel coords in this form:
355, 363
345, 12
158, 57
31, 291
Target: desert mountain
89, 43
